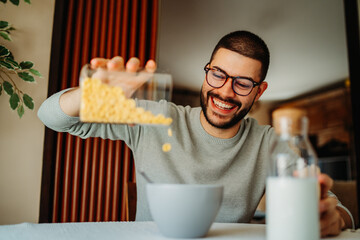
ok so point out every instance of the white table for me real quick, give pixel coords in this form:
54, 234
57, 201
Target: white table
132, 231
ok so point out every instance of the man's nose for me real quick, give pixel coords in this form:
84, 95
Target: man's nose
227, 88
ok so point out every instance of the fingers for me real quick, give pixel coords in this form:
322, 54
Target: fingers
326, 183
133, 65
331, 229
116, 64
150, 66
331, 223
327, 205
98, 62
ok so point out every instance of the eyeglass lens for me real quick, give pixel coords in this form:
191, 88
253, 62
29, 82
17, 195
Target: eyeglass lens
217, 79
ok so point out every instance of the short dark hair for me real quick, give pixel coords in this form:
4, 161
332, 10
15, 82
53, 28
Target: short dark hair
247, 44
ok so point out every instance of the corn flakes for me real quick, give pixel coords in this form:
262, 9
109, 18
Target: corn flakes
108, 104
166, 147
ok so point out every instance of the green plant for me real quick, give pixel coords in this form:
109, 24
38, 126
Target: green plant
10, 70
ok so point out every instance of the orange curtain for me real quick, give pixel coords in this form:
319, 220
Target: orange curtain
84, 180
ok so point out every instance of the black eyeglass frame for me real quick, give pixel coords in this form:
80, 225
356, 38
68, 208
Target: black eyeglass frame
207, 69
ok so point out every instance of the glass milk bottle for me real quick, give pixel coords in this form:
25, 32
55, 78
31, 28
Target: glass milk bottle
292, 191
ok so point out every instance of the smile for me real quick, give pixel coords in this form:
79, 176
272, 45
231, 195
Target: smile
222, 105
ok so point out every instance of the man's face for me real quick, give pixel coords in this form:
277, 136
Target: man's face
222, 107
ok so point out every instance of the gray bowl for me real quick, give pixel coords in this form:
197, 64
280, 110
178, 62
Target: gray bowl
184, 210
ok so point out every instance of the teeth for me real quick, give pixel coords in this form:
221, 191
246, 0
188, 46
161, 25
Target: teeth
222, 105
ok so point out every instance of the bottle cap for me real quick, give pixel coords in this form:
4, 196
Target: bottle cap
288, 120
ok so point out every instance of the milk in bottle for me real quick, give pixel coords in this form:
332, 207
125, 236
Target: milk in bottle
292, 188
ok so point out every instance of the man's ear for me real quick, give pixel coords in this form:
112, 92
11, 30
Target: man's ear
262, 87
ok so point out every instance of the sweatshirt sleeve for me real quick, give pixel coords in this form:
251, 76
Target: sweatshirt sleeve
51, 114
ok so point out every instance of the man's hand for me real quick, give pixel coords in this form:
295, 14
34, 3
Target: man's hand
117, 64
332, 218
129, 78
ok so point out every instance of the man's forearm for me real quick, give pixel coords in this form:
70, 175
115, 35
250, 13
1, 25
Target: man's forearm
70, 102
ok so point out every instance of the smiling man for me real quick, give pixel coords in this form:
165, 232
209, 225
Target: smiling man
226, 99
211, 144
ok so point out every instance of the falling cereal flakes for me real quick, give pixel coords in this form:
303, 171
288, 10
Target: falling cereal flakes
166, 147
169, 132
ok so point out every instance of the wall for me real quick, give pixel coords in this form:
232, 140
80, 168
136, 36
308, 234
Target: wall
261, 111
21, 140
306, 39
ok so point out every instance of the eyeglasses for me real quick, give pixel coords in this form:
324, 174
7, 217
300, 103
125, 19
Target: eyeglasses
217, 78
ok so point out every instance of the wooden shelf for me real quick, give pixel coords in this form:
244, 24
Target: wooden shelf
329, 114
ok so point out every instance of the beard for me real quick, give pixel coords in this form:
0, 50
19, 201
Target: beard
233, 121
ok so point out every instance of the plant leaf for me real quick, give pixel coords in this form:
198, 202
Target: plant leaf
26, 76
20, 110
5, 35
26, 65
12, 62
5, 64
0, 89
3, 1
35, 72
4, 24
15, 2
14, 101
8, 88
10, 55
4, 51
27, 1
28, 101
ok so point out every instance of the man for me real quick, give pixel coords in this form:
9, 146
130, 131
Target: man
211, 144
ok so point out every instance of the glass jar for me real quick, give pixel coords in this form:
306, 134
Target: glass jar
114, 96
292, 189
